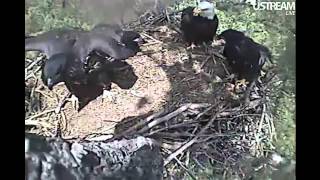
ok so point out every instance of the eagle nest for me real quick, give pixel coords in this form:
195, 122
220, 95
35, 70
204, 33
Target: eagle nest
181, 99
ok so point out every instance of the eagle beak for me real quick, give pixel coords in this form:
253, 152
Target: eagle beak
219, 42
50, 84
196, 11
139, 40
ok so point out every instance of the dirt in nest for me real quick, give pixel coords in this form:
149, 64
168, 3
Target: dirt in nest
168, 76
148, 94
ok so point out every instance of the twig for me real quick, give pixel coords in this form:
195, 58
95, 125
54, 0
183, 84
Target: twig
184, 124
214, 59
36, 123
262, 118
270, 124
149, 44
187, 158
219, 55
185, 168
198, 163
204, 112
29, 60
32, 74
64, 119
40, 114
180, 150
108, 128
43, 93
103, 137
146, 35
225, 69
272, 127
171, 115
167, 146
175, 28
176, 135
136, 94
34, 63
62, 103
191, 142
136, 126
204, 62
167, 16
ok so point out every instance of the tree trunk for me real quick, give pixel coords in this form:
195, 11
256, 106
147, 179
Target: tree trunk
55, 159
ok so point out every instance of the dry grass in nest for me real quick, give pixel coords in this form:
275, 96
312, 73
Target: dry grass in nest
180, 101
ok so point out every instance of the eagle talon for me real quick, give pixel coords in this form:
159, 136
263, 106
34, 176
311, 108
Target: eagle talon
75, 102
192, 46
240, 85
241, 82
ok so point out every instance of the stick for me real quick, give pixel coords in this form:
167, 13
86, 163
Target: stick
180, 150
36, 123
136, 126
150, 43
205, 111
136, 94
32, 74
225, 69
42, 93
204, 62
40, 114
34, 63
262, 118
219, 55
146, 35
171, 115
191, 142
185, 168
184, 124
62, 103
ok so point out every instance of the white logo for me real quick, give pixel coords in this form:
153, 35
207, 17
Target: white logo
288, 7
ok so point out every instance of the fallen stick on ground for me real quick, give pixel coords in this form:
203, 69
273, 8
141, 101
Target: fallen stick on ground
173, 114
40, 114
148, 36
141, 123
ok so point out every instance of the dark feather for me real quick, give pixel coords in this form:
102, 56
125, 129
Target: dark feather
197, 29
53, 42
66, 65
245, 56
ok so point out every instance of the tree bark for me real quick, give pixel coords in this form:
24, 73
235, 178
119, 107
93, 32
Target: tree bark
56, 159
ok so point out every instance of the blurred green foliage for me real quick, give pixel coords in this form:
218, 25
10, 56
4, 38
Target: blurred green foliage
44, 15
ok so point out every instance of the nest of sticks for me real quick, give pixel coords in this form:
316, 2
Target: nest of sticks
219, 130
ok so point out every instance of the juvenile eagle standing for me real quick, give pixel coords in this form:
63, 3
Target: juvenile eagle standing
245, 56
